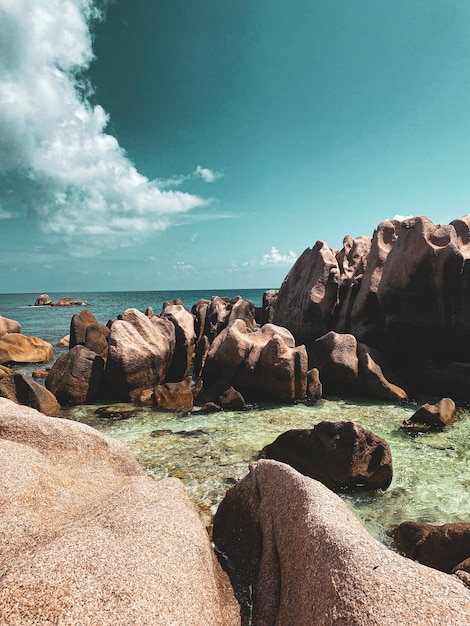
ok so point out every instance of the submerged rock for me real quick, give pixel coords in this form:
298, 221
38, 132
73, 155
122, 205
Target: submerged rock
297, 555
432, 416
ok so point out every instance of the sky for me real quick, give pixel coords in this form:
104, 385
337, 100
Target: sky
204, 144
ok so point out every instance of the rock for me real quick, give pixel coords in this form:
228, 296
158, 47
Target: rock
139, 354
202, 350
40, 374
223, 396
349, 367
297, 556
199, 310
76, 376
175, 396
314, 386
463, 566
441, 547
428, 378
185, 335
5, 371
70, 302
43, 300
117, 411
242, 310
258, 364
17, 348
64, 342
432, 416
268, 306
341, 455
309, 294
85, 330
9, 326
216, 317
23, 390
86, 538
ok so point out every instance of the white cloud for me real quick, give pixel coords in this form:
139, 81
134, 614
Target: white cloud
401, 218
6, 215
275, 258
182, 266
83, 183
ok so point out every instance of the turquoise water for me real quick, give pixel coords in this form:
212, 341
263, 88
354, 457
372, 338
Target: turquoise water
209, 453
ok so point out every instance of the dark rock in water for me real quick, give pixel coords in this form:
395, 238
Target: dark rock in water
191, 433
23, 390
431, 417
76, 376
174, 396
441, 547
428, 378
341, 455
314, 386
224, 396
116, 411
161, 432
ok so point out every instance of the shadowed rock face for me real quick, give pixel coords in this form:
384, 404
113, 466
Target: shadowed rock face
407, 294
297, 556
86, 538
341, 455
24, 390
76, 376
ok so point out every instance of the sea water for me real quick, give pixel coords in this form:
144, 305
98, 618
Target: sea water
210, 452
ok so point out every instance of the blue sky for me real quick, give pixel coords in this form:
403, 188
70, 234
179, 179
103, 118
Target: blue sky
187, 144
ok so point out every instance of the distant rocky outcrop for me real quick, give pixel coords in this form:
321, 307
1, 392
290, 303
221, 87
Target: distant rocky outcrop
86, 538
297, 555
44, 300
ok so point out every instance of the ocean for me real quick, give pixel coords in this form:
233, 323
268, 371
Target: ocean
209, 453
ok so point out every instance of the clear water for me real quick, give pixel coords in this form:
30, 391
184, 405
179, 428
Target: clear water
211, 452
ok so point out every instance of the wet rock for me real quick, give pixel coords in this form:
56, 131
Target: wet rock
175, 396
18, 348
341, 455
9, 326
76, 376
224, 396
118, 411
441, 547
432, 416
23, 390
297, 555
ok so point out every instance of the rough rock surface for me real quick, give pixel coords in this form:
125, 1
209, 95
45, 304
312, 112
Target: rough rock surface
341, 455
268, 306
76, 376
18, 348
298, 556
86, 538
263, 363
432, 416
24, 390
9, 326
139, 354
185, 336
43, 300
443, 547
85, 330
174, 396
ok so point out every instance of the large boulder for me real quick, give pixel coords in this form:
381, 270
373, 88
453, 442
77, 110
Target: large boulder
174, 396
432, 416
341, 455
443, 547
268, 306
258, 364
139, 354
185, 336
297, 555
86, 538
347, 366
43, 300
9, 326
76, 376
85, 330
24, 390
428, 378
18, 348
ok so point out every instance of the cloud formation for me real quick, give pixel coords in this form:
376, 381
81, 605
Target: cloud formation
275, 258
56, 158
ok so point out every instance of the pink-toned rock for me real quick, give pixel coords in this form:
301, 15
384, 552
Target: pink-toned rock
43, 300
242, 310
18, 348
139, 354
76, 376
263, 363
64, 342
24, 390
341, 455
185, 335
86, 538
268, 306
298, 556
9, 326
85, 330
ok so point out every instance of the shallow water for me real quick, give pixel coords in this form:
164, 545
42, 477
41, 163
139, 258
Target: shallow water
210, 452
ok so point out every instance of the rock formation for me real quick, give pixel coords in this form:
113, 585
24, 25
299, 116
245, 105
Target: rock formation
76, 376
341, 455
24, 390
86, 538
432, 416
297, 555
18, 348
9, 326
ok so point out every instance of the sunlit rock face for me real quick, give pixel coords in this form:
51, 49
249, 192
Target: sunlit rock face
86, 538
297, 555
